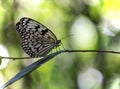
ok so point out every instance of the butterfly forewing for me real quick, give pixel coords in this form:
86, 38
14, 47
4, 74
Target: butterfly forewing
37, 40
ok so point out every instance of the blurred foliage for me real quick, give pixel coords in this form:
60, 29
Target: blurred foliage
84, 24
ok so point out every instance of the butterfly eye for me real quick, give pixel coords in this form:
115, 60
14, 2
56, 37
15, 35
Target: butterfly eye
37, 40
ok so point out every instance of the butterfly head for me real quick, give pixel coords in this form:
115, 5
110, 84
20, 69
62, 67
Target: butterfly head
58, 43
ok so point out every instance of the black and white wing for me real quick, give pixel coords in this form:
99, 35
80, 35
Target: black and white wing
37, 40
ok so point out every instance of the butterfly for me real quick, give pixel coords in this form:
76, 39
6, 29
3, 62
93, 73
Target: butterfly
37, 40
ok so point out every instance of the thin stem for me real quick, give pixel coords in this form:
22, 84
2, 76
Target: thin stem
69, 51
14, 58
99, 51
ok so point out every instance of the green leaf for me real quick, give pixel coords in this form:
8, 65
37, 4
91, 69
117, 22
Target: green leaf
30, 68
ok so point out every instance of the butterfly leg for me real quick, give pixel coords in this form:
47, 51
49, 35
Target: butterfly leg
63, 46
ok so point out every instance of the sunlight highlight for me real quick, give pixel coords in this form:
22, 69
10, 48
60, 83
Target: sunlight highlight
111, 17
1, 80
85, 32
90, 77
116, 84
4, 52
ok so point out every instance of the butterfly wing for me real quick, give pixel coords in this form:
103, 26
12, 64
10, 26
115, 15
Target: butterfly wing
37, 40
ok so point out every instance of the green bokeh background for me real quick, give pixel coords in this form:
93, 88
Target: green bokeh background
80, 24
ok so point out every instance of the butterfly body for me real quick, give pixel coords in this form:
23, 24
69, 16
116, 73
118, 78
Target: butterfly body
37, 40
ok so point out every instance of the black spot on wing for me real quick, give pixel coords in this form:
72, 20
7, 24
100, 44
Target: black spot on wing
44, 32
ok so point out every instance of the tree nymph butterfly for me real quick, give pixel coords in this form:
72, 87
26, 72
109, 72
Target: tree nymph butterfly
37, 40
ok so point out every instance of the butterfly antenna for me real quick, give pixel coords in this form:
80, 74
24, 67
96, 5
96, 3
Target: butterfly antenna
67, 36
64, 38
